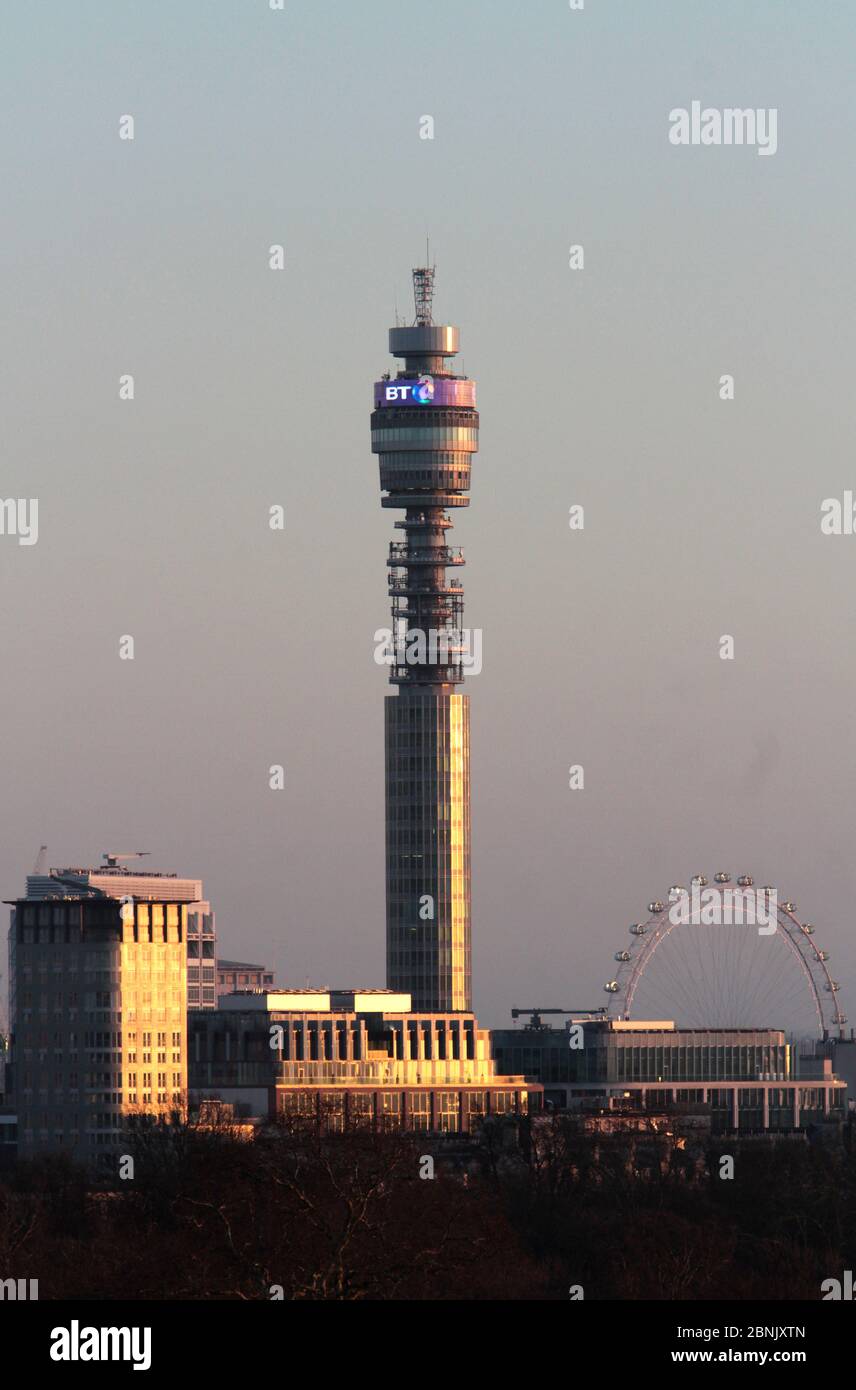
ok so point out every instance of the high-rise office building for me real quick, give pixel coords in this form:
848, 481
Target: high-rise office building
113, 879
98, 1018
425, 431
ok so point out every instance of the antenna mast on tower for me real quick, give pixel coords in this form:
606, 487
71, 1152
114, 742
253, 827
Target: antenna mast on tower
423, 293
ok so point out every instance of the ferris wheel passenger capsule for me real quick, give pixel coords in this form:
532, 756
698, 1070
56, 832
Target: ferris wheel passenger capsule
722, 877
808, 929
622, 955
745, 880
655, 906
611, 987
637, 929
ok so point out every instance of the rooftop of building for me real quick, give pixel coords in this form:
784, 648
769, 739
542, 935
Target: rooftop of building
70, 898
621, 1026
320, 1001
113, 880
240, 965
107, 870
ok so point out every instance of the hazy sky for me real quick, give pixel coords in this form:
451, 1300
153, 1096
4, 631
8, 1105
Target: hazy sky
598, 387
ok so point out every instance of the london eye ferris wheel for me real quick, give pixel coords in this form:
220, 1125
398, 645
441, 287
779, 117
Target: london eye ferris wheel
726, 956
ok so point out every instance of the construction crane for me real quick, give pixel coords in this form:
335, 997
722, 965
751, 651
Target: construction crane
113, 859
535, 1014
41, 859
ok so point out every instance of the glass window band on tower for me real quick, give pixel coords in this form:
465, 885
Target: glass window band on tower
425, 431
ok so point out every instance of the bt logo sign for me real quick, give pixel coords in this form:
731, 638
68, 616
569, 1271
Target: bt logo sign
420, 392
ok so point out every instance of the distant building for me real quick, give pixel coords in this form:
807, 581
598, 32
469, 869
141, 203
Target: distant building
114, 881
350, 1056
842, 1054
233, 975
98, 1019
752, 1079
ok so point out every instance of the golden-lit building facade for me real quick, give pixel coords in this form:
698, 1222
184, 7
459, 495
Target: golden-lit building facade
350, 1057
153, 996
428, 849
99, 1020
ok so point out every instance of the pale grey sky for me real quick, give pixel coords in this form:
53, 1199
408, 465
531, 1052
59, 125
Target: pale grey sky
597, 387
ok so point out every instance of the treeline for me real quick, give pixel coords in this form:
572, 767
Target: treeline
291, 1213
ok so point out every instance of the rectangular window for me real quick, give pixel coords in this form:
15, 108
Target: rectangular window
419, 1110
389, 1109
449, 1111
